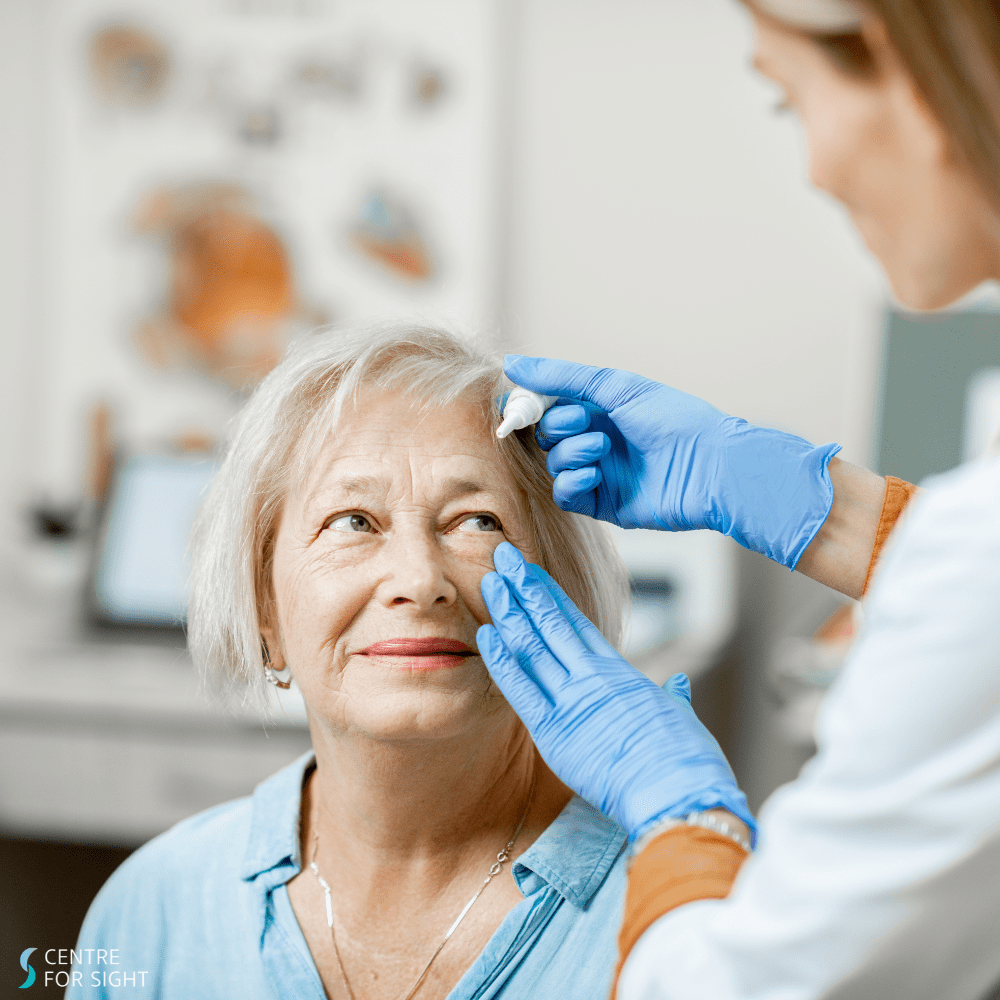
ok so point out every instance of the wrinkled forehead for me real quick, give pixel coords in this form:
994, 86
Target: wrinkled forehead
393, 441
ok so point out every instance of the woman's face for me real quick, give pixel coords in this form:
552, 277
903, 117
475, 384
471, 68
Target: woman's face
377, 564
875, 147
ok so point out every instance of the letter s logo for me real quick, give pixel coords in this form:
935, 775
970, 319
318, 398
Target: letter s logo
27, 968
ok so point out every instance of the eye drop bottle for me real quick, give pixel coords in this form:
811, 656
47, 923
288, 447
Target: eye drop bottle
523, 409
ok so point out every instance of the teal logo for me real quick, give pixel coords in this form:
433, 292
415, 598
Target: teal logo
27, 968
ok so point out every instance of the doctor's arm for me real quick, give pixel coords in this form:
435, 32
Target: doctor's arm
877, 863
877, 869
864, 511
628, 450
687, 863
684, 863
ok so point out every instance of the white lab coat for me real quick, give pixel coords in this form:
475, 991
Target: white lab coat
878, 870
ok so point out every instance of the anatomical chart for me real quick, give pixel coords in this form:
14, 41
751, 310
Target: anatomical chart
230, 173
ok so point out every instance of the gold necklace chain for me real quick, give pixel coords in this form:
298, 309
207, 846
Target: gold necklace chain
495, 868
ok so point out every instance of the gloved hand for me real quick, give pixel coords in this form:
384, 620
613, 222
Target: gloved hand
634, 750
643, 455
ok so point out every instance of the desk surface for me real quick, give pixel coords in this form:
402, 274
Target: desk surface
54, 665
114, 741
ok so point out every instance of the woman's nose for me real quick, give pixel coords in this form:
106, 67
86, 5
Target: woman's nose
416, 574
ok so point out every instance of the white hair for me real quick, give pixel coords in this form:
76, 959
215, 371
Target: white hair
278, 436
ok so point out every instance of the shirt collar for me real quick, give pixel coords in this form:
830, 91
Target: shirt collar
274, 821
574, 855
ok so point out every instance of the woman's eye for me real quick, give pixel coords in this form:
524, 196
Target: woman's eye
481, 522
350, 522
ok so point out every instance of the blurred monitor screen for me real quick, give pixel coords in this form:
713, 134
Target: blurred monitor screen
141, 575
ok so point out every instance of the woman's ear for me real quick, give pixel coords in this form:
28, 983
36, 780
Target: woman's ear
272, 644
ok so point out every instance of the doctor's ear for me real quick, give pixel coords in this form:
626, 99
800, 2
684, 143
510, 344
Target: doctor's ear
926, 132
883, 57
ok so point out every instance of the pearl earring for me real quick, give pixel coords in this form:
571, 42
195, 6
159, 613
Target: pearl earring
269, 673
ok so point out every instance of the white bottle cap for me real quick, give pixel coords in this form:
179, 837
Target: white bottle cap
523, 409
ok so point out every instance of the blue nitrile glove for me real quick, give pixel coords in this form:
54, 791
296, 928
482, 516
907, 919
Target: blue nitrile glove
643, 455
634, 750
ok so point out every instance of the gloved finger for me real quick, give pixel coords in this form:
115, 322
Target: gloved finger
519, 636
530, 700
577, 452
679, 685
573, 490
555, 630
591, 635
607, 388
560, 421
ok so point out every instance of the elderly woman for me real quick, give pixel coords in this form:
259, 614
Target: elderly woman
423, 848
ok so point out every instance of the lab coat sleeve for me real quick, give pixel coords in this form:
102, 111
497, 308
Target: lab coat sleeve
878, 870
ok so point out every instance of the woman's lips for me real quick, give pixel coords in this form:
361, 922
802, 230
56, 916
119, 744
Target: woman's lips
421, 654
418, 647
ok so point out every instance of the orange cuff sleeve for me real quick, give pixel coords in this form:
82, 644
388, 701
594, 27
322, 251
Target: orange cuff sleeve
683, 864
898, 494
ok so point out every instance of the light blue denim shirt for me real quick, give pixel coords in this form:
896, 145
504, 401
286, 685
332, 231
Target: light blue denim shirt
203, 911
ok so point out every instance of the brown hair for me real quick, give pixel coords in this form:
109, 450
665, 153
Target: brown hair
952, 50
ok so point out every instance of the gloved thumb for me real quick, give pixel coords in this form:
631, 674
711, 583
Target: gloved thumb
607, 388
679, 685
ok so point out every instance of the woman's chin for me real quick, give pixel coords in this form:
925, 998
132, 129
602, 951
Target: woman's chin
433, 713
406, 724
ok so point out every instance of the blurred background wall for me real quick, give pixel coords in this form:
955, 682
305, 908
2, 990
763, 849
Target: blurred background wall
662, 222
602, 180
